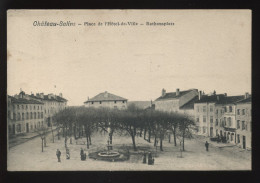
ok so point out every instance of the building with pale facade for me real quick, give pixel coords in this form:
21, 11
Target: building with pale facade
107, 100
173, 101
244, 123
24, 114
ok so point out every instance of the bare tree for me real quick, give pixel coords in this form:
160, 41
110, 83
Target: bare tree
42, 131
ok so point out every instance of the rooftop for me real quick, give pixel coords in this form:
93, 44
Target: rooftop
190, 104
172, 95
24, 101
247, 100
105, 96
220, 99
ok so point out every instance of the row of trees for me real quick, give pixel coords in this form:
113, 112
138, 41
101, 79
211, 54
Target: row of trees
81, 121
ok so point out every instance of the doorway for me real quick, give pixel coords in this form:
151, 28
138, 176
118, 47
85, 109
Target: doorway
27, 128
244, 142
211, 132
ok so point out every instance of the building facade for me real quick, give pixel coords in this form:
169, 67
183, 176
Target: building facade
171, 102
29, 112
107, 100
24, 114
244, 123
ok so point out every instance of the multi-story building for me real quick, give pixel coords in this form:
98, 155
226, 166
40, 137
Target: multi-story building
52, 104
24, 114
172, 101
215, 115
244, 123
107, 100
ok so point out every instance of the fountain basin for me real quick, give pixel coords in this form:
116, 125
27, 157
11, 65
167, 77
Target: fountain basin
109, 154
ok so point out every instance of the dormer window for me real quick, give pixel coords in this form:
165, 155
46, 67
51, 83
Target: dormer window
123, 101
115, 102
100, 102
92, 102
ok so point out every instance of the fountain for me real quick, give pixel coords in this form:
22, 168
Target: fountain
109, 154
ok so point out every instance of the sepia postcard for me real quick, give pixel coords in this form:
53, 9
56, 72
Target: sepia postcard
139, 90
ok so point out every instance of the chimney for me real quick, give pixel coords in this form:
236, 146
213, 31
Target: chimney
225, 94
217, 97
163, 92
177, 92
60, 94
200, 95
41, 95
246, 95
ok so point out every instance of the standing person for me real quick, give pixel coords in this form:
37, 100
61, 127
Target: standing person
207, 146
144, 158
58, 154
81, 154
67, 153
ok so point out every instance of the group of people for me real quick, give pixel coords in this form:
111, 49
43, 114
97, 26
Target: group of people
83, 155
150, 158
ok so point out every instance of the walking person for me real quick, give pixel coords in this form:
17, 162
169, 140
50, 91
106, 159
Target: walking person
58, 154
207, 146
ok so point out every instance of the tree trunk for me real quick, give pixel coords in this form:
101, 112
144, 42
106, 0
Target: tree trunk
161, 143
183, 140
145, 134
174, 136
141, 131
149, 135
155, 139
75, 135
133, 140
58, 133
42, 144
44, 141
63, 132
169, 137
89, 137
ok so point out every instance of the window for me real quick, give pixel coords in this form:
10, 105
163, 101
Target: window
243, 111
38, 107
30, 107
9, 114
34, 107
217, 112
115, 102
123, 101
230, 108
15, 116
41, 107
22, 106
27, 115
42, 115
243, 125
22, 116
238, 138
229, 121
34, 115
18, 107
225, 121
211, 108
92, 102
31, 115
211, 119
115, 107
216, 122
100, 102
19, 116
204, 119
238, 112
238, 124
26, 107
225, 109
197, 119
204, 108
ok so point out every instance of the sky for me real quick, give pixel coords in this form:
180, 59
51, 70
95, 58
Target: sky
206, 50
